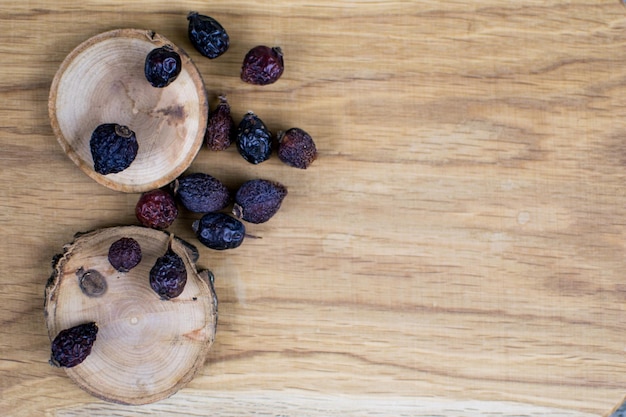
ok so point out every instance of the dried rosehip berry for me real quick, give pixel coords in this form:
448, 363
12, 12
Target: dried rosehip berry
201, 193
296, 148
125, 254
156, 209
168, 276
207, 35
162, 66
221, 127
113, 148
262, 65
72, 346
219, 231
254, 141
258, 200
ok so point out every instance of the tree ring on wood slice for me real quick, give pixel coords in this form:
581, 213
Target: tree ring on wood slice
147, 348
103, 81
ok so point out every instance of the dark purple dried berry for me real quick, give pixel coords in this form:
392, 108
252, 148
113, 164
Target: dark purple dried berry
125, 254
296, 148
219, 231
162, 66
72, 346
168, 276
262, 65
207, 35
201, 193
254, 141
156, 209
113, 148
221, 127
258, 200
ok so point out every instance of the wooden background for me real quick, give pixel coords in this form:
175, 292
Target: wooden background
457, 249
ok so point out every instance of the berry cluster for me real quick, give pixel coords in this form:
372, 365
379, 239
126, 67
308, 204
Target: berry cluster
255, 201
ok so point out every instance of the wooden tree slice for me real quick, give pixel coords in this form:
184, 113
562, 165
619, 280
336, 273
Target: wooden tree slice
147, 348
103, 81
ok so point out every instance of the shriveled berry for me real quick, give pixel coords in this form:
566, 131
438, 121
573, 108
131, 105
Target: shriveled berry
72, 346
296, 148
254, 141
258, 200
219, 231
262, 65
124, 254
207, 35
162, 66
156, 209
201, 193
221, 127
168, 276
113, 148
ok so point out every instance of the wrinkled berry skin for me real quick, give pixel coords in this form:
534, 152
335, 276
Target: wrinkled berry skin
124, 254
296, 148
219, 231
168, 276
254, 141
162, 66
156, 209
258, 200
207, 35
113, 148
220, 128
201, 193
262, 65
72, 346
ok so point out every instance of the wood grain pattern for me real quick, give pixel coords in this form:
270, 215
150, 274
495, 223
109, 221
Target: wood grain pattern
459, 244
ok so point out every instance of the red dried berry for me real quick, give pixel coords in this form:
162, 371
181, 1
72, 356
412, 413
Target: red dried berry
296, 148
262, 65
168, 276
156, 209
220, 130
258, 200
124, 254
72, 346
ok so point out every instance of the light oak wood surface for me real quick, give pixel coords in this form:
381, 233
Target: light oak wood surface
458, 248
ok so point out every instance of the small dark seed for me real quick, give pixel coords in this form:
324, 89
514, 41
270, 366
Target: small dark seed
124, 254
254, 140
91, 282
162, 66
262, 65
72, 346
256, 201
219, 231
113, 148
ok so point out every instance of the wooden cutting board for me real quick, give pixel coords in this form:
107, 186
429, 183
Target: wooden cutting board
457, 249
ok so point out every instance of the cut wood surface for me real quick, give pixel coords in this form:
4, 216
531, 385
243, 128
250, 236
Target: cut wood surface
457, 249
